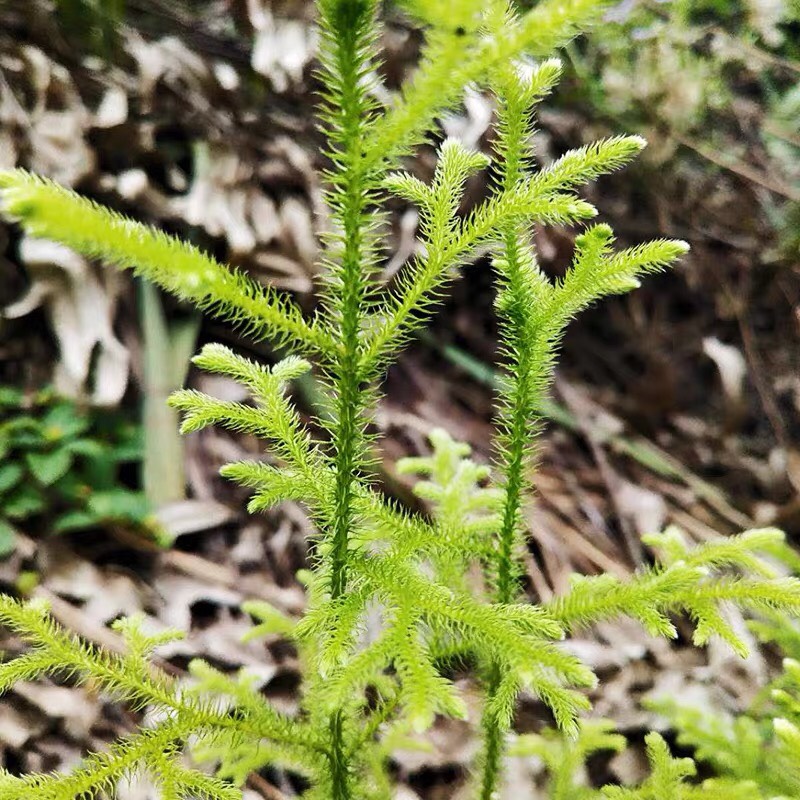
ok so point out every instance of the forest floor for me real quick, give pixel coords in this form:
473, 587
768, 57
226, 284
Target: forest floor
678, 405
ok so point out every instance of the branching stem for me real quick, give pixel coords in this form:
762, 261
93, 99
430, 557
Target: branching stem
514, 424
351, 27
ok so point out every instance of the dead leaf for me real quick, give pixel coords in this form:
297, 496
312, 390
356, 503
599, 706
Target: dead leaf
282, 48
76, 707
646, 510
56, 136
192, 516
731, 365
18, 725
113, 108
81, 304
217, 198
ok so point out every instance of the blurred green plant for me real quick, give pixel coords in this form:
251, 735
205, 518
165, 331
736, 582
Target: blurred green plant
753, 755
167, 346
761, 746
60, 466
713, 46
738, 63
93, 23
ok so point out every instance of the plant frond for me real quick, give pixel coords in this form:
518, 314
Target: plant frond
130, 677
448, 246
565, 758
693, 584
734, 747
460, 503
668, 780
584, 164
148, 751
50, 211
458, 55
423, 691
395, 599
271, 621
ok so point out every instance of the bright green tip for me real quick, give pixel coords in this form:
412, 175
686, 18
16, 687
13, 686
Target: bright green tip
551, 65
17, 177
14, 181
421, 721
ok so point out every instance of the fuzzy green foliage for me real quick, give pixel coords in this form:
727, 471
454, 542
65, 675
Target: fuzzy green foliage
565, 758
52, 212
565, 761
696, 580
669, 780
761, 747
463, 501
754, 755
746, 39
626, 75
61, 466
368, 686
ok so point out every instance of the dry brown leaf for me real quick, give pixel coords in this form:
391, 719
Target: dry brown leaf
75, 707
81, 303
282, 48
192, 516
19, 725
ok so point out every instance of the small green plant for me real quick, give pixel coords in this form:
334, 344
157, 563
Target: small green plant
60, 466
727, 52
753, 756
93, 23
363, 692
760, 748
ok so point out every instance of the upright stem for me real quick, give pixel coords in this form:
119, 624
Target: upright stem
493, 744
349, 407
349, 198
514, 423
515, 430
350, 25
340, 769
349, 425
515, 427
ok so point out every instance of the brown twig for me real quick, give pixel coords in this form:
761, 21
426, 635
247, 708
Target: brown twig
264, 787
738, 168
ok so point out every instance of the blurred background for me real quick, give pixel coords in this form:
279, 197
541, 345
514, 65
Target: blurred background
677, 404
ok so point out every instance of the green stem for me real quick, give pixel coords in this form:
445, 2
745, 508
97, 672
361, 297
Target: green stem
351, 24
339, 761
493, 744
515, 417
515, 426
515, 429
350, 197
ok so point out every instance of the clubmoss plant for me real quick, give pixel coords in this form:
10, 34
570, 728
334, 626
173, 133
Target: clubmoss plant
363, 693
752, 756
